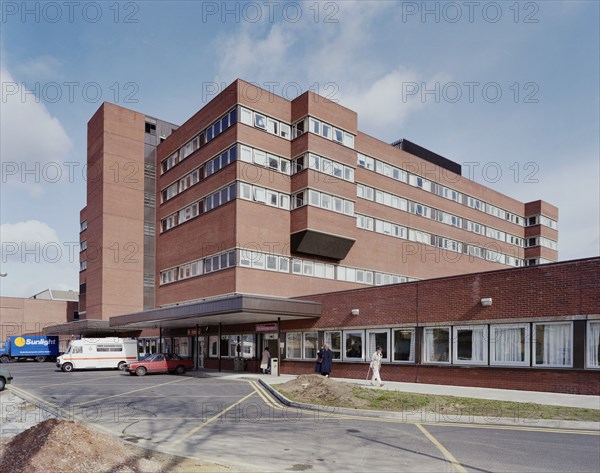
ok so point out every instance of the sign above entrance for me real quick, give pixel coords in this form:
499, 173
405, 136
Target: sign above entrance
266, 327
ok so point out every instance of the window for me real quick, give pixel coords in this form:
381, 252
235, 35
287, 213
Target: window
353, 345
83, 245
293, 342
246, 116
378, 338
260, 121
553, 344
83, 226
310, 345
334, 340
213, 346
404, 345
593, 344
82, 265
470, 345
437, 345
509, 344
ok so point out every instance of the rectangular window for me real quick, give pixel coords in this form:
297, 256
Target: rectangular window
326, 131
553, 344
260, 121
272, 126
404, 345
310, 345
593, 344
378, 338
315, 126
284, 264
334, 340
246, 116
284, 131
509, 344
436, 345
293, 345
470, 345
354, 345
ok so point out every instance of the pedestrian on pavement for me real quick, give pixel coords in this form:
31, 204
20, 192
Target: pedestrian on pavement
265, 362
376, 365
324, 360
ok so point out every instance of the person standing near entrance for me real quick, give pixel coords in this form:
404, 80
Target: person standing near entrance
265, 362
376, 365
324, 360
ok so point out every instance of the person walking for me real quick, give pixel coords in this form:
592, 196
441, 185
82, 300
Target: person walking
265, 362
324, 360
376, 365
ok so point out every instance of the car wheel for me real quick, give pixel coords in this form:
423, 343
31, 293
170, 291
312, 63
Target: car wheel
180, 369
4, 359
141, 371
121, 366
67, 367
2, 384
40, 359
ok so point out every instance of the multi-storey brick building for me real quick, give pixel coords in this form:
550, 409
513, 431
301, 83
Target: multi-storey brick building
256, 200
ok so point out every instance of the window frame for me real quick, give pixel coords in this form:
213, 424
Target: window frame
534, 345
425, 359
345, 347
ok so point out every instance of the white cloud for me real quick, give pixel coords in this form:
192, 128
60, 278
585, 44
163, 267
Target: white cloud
35, 259
39, 68
30, 137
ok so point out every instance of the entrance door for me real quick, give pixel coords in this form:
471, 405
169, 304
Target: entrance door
201, 350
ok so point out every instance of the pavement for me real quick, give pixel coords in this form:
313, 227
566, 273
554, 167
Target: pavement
550, 399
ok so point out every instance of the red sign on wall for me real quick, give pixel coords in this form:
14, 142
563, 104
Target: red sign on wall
266, 327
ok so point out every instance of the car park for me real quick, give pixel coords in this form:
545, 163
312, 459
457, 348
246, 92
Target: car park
5, 378
160, 363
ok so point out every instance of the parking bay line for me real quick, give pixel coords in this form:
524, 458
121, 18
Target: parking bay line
212, 419
130, 392
449, 457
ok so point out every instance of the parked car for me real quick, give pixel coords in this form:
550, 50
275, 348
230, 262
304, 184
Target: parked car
160, 363
5, 378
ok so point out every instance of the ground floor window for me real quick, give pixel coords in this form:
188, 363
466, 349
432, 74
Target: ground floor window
213, 346
167, 346
553, 344
378, 338
470, 345
593, 344
436, 345
147, 346
293, 345
334, 340
404, 345
310, 345
181, 346
354, 344
509, 344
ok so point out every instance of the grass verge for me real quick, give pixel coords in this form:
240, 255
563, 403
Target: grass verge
451, 407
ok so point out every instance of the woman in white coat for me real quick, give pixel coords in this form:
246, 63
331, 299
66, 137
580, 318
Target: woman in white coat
376, 365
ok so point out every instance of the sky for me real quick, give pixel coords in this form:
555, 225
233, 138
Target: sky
510, 90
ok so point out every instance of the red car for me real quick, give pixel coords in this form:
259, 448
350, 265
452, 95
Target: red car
160, 363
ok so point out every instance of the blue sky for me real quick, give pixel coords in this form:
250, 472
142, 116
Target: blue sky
164, 59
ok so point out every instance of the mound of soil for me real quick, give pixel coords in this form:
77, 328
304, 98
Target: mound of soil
316, 389
58, 445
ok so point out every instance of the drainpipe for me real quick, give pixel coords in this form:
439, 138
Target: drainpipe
279, 345
219, 347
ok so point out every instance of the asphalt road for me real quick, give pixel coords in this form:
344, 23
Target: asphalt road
238, 423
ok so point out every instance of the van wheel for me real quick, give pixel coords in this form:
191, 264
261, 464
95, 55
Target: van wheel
180, 369
121, 366
4, 359
40, 359
2, 384
67, 367
141, 371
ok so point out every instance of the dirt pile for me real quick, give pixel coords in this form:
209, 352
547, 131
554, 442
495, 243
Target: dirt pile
61, 446
316, 389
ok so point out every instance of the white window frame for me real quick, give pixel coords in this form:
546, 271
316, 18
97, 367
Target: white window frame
425, 351
337, 352
590, 344
411, 356
534, 346
360, 333
305, 343
473, 328
494, 337
371, 349
288, 336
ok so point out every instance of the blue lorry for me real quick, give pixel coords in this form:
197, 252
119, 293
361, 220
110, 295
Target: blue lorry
37, 347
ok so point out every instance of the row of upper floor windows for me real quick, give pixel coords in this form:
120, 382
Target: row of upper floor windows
246, 258
400, 203
490, 253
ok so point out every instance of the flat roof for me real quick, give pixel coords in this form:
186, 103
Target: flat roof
82, 327
228, 310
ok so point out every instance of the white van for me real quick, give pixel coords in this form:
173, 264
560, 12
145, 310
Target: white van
89, 353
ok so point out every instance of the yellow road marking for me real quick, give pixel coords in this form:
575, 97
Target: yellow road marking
131, 392
265, 395
212, 419
457, 466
